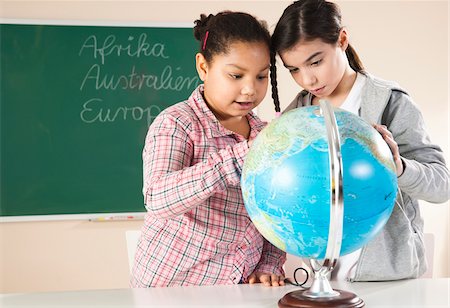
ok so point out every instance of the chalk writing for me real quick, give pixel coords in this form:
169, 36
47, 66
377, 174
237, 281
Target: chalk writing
132, 48
135, 81
91, 113
156, 74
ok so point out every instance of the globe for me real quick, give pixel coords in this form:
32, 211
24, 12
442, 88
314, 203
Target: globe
286, 182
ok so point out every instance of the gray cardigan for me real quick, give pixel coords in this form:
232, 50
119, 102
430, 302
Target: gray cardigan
398, 252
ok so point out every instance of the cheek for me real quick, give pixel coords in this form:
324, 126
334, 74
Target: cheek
218, 83
327, 73
340, 63
298, 79
262, 85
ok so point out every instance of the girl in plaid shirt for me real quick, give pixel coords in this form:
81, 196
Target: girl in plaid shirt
197, 231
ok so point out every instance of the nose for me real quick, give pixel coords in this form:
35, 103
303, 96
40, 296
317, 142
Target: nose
308, 78
248, 89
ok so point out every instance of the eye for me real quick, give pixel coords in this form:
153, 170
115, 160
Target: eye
315, 63
262, 77
235, 76
293, 70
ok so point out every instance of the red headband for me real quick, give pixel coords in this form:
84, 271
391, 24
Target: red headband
204, 40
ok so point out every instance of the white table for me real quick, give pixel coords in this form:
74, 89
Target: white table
406, 293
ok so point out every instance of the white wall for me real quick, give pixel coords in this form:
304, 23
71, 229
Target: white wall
406, 41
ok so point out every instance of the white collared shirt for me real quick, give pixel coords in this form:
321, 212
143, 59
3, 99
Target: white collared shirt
353, 101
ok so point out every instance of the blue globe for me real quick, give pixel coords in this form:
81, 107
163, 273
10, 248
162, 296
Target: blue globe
286, 182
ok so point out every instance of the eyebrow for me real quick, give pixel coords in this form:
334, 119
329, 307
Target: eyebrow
313, 56
243, 69
309, 58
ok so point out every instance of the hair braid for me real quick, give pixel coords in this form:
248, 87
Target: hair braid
273, 81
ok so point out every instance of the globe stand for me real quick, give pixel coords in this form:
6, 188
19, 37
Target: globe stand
321, 294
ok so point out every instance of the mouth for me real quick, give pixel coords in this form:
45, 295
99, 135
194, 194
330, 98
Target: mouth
245, 105
317, 91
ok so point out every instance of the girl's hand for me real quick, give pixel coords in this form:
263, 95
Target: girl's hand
267, 279
387, 136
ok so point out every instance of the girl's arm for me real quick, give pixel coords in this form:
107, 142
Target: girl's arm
272, 260
172, 185
425, 175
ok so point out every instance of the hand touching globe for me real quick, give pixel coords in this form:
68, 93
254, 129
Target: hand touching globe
319, 182
286, 182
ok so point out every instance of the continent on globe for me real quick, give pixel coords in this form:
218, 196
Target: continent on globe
286, 182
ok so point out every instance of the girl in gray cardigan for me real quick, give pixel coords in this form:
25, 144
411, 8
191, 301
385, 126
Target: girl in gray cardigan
314, 47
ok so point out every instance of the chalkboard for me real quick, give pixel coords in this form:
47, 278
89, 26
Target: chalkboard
76, 103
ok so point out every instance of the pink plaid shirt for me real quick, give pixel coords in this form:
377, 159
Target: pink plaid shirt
197, 231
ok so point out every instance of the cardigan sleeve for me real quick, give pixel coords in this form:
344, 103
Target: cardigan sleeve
426, 175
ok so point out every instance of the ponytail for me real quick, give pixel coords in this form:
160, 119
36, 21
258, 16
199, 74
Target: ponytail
353, 60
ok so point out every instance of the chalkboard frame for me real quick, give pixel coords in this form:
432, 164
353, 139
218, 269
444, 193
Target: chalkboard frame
85, 216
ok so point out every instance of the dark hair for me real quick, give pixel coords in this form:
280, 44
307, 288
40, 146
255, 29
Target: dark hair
308, 20
217, 32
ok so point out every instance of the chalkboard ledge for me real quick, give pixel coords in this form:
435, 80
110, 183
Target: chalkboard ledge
89, 217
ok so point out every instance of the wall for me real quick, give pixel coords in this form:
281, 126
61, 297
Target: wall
406, 41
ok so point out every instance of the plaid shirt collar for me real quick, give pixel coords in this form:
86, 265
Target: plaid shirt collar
211, 123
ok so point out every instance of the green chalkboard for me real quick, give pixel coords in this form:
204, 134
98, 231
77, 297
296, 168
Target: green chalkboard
76, 103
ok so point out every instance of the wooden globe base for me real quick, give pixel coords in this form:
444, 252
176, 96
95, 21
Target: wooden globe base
296, 299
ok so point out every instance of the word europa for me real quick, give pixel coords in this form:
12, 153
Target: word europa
166, 81
92, 113
133, 48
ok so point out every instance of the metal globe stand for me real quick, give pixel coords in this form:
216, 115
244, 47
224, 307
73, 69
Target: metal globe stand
321, 294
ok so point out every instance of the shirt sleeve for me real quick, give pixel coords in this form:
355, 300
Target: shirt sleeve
425, 176
172, 184
272, 260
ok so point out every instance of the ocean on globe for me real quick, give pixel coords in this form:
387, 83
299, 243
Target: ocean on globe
286, 182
